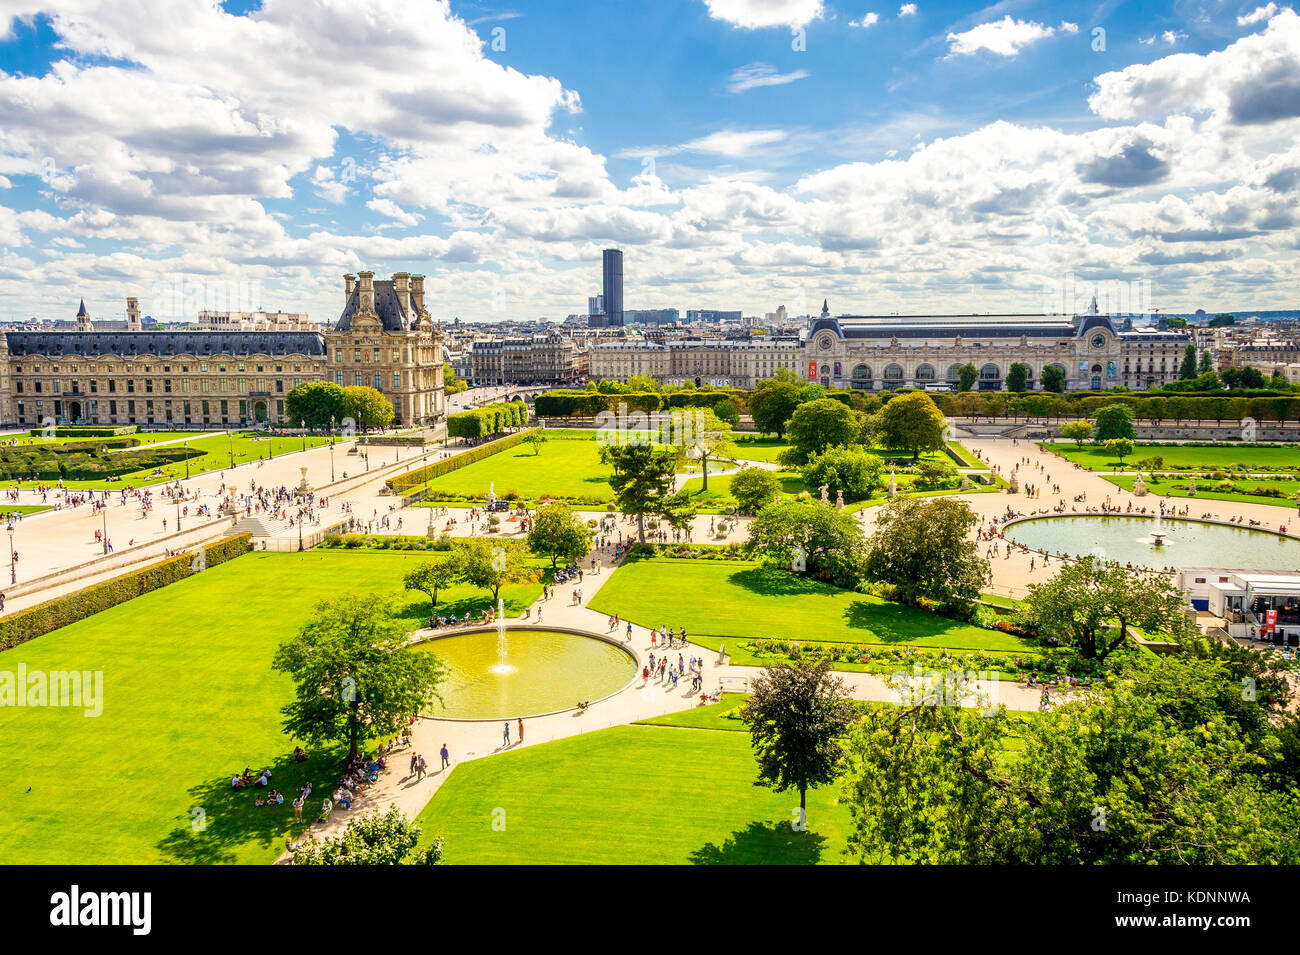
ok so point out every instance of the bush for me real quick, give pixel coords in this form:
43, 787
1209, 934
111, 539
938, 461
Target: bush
754, 489
427, 473
32, 622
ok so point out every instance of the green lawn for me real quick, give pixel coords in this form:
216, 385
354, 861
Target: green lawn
719, 496
723, 715
24, 439
632, 795
725, 600
189, 700
1236, 457
562, 469
1243, 489
760, 449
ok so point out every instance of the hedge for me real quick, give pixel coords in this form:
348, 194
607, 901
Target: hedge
424, 475
85, 460
87, 432
490, 419
563, 403
32, 622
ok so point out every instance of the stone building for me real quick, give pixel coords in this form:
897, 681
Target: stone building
1094, 351
384, 338
546, 359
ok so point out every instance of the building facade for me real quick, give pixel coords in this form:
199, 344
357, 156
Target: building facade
547, 359
1092, 350
384, 338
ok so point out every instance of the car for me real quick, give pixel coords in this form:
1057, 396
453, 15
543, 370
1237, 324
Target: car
499, 506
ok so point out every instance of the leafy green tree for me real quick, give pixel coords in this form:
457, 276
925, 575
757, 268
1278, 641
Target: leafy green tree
642, 478
921, 548
1077, 431
535, 439
1206, 363
1091, 603
710, 439
911, 422
450, 383
371, 838
367, 407
728, 411
772, 403
754, 489
642, 383
796, 715
313, 404
1251, 377
1222, 319
1120, 447
1114, 421
1018, 377
850, 470
492, 564
431, 576
1053, 379
818, 425
355, 678
559, 534
935, 474
1187, 370
805, 536
967, 375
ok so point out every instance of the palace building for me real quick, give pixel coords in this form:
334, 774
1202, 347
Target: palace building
384, 338
874, 352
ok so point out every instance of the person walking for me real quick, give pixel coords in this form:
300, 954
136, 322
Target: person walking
419, 768
446, 756
521, 730
505, 733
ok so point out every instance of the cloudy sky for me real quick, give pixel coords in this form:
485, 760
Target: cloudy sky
743, 153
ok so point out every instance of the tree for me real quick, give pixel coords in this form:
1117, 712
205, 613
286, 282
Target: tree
1222, 319
1077, 431
371, 838
1115, 421
1018, 377
432, 576
493, 564
313, 404
804, 536
728, 411
967, 375
1187, 370
772, 403
710, 438
642, 478
1120, 447
1091, 603
642, 383
796, 716
535, 439
367, 407
559, 534
911, 422
1053, 379
922, 549
450, 384
1206, 363
355, 678
851, 471
818, 425
1251, 377
754, 489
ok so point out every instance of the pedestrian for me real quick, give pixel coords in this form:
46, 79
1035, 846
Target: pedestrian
414, 759
446, 756
505, 733
419, 767
521, 729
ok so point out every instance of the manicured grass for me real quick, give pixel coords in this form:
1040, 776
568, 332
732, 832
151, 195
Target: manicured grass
726, 600
189, 700
968, 460
563, 468
144, 437
1178, 486
760, 449
631, 795
1235, 457
723, 715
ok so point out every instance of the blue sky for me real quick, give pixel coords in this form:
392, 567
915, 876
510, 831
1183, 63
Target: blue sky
743, 153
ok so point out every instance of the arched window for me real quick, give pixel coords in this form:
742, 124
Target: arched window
893, 373
861, 373
838, 370
990, 373
954, 372
925, 373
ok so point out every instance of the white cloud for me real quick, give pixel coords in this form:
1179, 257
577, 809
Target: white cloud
1068, 27
1005, 37
753, 14
868, 20
907, 10
734, 142
755, 75
1258, 15
1147, 40
391, 210
1172, 36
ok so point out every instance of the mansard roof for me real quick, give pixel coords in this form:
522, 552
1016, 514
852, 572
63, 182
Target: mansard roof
397, 312
164, 344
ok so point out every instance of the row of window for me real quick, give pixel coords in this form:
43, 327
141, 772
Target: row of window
89, 410
202, 386
359, 380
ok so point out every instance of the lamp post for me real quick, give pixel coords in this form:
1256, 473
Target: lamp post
230, 446
103, 513
13, 558
178, 515
301, 512
187, 459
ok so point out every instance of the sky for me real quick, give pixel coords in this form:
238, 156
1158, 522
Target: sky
744, 154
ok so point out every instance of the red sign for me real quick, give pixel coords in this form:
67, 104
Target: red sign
1270, 621
812, 371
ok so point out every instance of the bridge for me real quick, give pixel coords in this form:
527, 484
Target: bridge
487, 394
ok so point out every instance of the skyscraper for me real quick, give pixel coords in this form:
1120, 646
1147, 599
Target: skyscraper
613, 267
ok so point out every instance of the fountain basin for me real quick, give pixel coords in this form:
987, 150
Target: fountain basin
546, 670
1146, 542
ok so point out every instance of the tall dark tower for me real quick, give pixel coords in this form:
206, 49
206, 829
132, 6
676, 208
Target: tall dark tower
613, 287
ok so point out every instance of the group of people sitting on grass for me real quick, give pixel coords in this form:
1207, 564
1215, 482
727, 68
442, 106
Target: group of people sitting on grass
566, 574
247, 779
452, 620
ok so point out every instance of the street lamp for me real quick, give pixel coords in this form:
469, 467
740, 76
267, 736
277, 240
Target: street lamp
13, 558
187, 459
301, 512
103, 513
178, 514
230, 439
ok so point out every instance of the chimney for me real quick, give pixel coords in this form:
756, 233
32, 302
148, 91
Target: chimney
349, 281
417, 291
402, 284
367, 291
133, 314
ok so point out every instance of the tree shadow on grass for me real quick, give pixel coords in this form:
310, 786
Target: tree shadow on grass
224, 820
891, 622
775, 582
763, 843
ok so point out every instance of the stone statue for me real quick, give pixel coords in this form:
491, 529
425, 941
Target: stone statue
1140, 487
839, 499
825, 496
893, 484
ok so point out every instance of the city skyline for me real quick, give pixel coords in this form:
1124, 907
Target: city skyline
1158, 150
